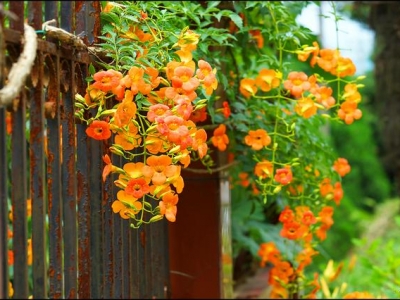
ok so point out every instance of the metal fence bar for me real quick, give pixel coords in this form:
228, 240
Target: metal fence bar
126, 258
147, 232
97, 248
117, 247
56, 288
37, 164
69, 189
108, 253
69, 160
117, 251
84, 261
141, 274
4, 276
54, 186
19, 193
87, 21
159, 259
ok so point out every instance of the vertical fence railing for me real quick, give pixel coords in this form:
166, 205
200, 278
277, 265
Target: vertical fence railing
54, 158
71, 245
37, 164
19, 167
3, 180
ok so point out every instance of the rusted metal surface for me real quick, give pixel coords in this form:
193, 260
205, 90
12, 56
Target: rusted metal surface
82, 167
118, 241
19, 187
54, 183
37, 164
96, 221
3, 208
81, 249
4, 277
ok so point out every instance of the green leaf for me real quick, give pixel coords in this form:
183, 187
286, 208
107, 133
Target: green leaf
92, 69
237, 20
212, 4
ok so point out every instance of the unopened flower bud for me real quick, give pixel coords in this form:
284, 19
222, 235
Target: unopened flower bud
156, 218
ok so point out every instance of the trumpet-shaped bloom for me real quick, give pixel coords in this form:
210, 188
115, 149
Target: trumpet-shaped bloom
297, 83
109, 167
156, 143
220, 139
199, 115
284, 175
305, 107
168, 206
345, 67
351, 93
126, 205
183, 78
325, 187
264, 169
106, 81
158, 111
323, 95
293, 230
129, 138
248, 87
137, 187
99, 130
200, 142
207, 76
325, 216
328, 59
135, 81
126, 110
341, 166
160, 169
349, 112
183, 107
304, 54
308, 218
337, 193
226, 109
268, 252
257, 139
173, 127
287, 215
267, 80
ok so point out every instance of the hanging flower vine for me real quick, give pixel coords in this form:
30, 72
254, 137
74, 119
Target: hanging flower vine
158, 87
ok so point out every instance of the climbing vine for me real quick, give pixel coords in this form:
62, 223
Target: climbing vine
165, 97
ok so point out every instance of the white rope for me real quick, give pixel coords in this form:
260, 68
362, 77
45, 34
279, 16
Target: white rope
21, 69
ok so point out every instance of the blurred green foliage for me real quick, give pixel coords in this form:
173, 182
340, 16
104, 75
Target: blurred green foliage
373, 265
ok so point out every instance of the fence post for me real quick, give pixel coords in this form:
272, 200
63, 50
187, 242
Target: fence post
4, 277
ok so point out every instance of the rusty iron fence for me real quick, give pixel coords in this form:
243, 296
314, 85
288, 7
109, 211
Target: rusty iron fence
58, 235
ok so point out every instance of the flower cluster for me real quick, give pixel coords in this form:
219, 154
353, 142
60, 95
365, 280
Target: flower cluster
301, 225
149, 112
149, 100
283, 155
